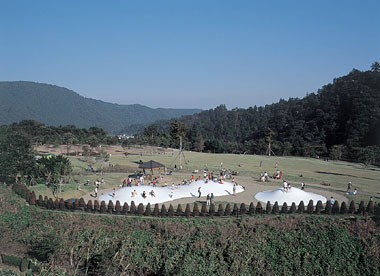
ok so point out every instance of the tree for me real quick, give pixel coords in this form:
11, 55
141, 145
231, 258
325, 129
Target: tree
16, 156
375, 67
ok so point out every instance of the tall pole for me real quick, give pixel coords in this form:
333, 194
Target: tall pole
180, 152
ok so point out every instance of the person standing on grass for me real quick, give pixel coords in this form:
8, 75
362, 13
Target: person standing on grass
212, 198
349, 186
208, 199
199, 192
96, 191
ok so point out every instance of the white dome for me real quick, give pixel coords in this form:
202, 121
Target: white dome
293, 195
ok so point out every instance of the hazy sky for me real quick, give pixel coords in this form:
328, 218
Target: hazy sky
195, 54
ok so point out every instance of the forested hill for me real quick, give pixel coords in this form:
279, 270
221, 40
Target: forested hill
53, 105
341, 120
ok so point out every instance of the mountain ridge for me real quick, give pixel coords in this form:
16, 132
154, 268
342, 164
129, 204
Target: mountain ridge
55, 105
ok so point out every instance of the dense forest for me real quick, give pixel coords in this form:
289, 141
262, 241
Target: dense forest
340, 121
53, 105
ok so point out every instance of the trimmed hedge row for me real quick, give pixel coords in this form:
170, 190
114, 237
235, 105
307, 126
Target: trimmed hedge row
21, 263
140, 210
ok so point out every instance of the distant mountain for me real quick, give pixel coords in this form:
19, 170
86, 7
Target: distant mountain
53, 105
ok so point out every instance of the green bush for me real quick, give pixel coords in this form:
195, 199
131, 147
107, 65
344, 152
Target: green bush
89, 206
211, 210
125, 208
310, 207
11, 260
148, 210
335, 208
24, 265
195, 210
171, 211
133, 209
284, 208
243, 209
343, 208
203, 210
352, 208
187, 210
220, 210
275, 209
110, 207
293, 208
227, 211
319, 207
179, 210
251, 210
103, 207
268, 208
156, 210
140, 209
163, 211
259, 208
301, 207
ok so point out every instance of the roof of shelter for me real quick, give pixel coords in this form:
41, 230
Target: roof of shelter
151, 165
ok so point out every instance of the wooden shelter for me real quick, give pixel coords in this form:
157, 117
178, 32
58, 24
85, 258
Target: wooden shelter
151, 165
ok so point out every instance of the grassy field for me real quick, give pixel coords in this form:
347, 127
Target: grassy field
328, 175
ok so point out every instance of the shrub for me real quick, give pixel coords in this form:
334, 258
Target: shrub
103, 207
56, 204
211, 210
361, 208
370, 208
227, 211
328, 208
110, 207
319, 207
293, 208
148, 210
11, 260
335, 208
195, 210
61, 204
125, 208
76, 204
343, 208
220, 210
352, 208
24, 265
82, 204
171, 211
301, 207
156, 210
117, 207
187, 210
69, 204
96, 206
132, 210
45, 201
284, 208
235, 210
203, 210
275, 209
163, 211
259, 208
32, 200
89, 206
179, 210
140, 209
243, 209
40, 201
268, 208
310, 207
251, 210
50, 204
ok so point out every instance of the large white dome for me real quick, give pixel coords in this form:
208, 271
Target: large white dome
293, 195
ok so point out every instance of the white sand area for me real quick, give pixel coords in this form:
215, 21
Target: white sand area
164, 194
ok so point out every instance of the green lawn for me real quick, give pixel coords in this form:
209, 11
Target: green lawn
311, 171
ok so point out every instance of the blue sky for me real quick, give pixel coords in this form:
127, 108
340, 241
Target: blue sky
188, 54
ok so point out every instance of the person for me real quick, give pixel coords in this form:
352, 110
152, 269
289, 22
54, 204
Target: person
349, 186
302, 186
114, 193
285, 185
134, 193
102, 180
199, 192
141, 180
124, 182
154, 183
78, 188
355, 191
96, 191
221, 164
152, 194
212, 198
234, 189
165, 183
266, 176
87, 183
144, 194
208, 199
332, 200
233, 180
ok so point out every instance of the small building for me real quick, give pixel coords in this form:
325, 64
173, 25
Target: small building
152, 165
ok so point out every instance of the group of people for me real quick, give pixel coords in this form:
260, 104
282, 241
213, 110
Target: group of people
349, 187
264, 177
143, 195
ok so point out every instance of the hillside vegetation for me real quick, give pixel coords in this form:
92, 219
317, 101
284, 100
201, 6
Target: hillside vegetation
53, 105
340, 121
